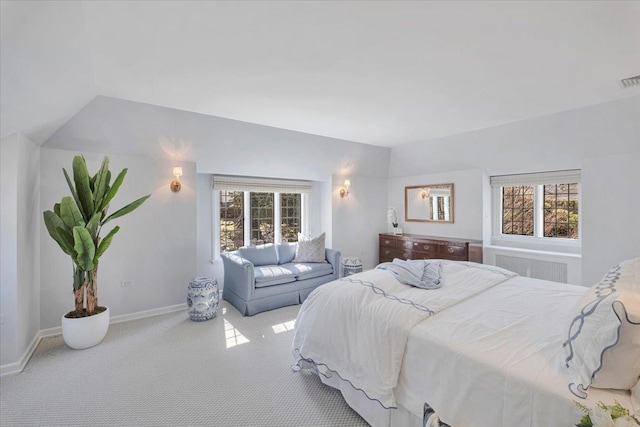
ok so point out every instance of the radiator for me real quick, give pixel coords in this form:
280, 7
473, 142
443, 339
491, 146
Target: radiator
534, 267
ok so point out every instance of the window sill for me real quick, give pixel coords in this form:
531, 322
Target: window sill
495, 247
536, 244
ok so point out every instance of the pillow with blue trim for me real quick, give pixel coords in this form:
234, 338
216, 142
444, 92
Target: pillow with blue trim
602, 348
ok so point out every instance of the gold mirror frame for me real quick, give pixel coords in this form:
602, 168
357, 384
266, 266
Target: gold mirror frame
429, 203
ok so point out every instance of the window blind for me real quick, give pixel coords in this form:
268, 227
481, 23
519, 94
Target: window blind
554, 177
260, 185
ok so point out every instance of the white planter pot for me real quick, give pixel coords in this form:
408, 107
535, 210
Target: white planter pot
85, 332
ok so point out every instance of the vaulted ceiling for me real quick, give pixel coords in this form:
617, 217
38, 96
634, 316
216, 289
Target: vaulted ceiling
382, 73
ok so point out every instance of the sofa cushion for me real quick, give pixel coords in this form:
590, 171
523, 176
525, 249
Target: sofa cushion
286, 252
269, 275
310, 249
308, 270
260, 255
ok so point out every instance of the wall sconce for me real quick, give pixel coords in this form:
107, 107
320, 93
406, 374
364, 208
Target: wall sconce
175, 184
345, 190
425, 194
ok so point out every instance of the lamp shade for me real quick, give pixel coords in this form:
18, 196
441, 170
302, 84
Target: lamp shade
347, 183
177, 171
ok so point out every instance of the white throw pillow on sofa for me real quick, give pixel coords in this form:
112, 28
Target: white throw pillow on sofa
310, 249
603, 344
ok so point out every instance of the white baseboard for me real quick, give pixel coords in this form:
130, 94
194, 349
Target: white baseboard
17, 367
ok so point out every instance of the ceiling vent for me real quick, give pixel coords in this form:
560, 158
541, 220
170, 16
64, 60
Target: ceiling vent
630, 81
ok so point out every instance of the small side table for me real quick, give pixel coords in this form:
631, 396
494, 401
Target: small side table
351, 265
203, 298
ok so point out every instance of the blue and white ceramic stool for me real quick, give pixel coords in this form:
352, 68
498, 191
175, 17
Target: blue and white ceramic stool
351, 265
203, 298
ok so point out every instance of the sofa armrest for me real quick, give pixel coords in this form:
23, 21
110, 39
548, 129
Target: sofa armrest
239, 276
333, 257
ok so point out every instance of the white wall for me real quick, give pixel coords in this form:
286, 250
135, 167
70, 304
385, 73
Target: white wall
19, 247
553, 142
155, 248
223, 146
217, 145
9, 350
467, 203
611, 206
595, 139
359, 217
46, 71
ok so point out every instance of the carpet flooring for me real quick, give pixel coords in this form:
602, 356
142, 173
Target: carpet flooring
169, 371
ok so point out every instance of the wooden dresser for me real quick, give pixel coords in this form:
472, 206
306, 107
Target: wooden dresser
416, 246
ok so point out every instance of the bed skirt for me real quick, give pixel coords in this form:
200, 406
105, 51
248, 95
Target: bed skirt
371, 410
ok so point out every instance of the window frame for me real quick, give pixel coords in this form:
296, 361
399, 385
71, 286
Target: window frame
538, 241
304, 219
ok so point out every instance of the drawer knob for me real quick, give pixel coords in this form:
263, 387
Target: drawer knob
405, 255
386, 242
386, 252
450, 250
426, 247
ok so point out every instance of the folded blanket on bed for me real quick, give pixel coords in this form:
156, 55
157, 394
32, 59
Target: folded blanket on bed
423, 274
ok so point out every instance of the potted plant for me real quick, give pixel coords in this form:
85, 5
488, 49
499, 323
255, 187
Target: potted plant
75, 224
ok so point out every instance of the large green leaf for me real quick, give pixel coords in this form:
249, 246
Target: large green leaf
84, 247
104, 243
113, 190
74, 193
56, 227
101, 183
127, 209
93, 224
83, 186
69, 213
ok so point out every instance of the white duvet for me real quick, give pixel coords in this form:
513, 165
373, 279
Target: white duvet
497, 360
361, 335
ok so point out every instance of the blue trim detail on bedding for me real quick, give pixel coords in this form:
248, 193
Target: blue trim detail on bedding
604, 289
316, 364
379, 291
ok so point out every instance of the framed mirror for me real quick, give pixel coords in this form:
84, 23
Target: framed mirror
429, 203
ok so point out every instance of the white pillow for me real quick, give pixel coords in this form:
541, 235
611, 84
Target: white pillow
310, 249
603, 343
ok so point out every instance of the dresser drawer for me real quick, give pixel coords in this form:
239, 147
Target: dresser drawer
424, 247
452, 252
388, 254
389, 242
423, 255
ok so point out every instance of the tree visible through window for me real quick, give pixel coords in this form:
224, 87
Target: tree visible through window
290, 208
549, 210
262, 217
231, 220
517, 210
561, 210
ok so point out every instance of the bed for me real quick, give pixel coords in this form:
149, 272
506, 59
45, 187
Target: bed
487, 348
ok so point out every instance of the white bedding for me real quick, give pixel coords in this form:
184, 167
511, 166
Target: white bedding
487, 352
499, 357
362, 334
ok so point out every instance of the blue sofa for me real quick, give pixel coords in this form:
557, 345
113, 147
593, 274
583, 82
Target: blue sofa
261, 278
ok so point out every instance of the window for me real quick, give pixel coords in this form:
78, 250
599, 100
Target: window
542, 207
291, 216
231, 220
252, 211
